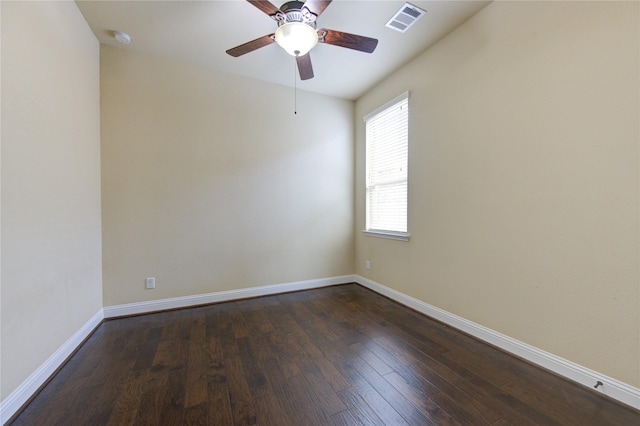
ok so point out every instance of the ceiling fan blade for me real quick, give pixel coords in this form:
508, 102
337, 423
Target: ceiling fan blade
265, 6
317, 6
252, 45
304, 66
350, 41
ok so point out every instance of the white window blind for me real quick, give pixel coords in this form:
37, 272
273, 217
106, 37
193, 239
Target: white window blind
387, 149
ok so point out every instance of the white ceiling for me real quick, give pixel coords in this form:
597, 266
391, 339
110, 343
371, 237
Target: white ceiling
200, 32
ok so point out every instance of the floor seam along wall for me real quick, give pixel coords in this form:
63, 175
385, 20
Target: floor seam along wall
27, 389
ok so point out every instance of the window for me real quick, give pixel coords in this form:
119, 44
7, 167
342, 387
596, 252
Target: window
387, 148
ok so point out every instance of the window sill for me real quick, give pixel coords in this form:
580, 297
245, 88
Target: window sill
391, 235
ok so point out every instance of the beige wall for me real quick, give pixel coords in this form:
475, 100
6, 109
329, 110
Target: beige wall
51, 237
523, 177
523, 181
211, 183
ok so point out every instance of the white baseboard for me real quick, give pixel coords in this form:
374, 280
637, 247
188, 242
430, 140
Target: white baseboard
222, 296
611, 387
12, 403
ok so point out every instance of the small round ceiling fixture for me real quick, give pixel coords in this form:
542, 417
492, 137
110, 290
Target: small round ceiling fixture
122, 37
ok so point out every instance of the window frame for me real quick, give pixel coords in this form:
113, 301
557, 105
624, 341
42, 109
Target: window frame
382, 233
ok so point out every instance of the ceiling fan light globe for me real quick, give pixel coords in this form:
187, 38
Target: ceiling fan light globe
296, 38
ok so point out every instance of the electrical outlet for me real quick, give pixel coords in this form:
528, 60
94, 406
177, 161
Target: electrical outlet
151, 282
367, 264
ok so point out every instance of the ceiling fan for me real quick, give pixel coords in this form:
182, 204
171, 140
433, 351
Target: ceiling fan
297, 33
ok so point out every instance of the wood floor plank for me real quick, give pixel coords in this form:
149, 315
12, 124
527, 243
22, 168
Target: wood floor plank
269, 407
359, 409
287, 409
172, 401
240, 328
333, 376
146, 350
253, 371
303, 314
257, 316
197, 380
323, 339
345, 418
377, 402
335, 355
288, 350
126, 407
55, 413
372, 359
242, 404
307, 398
465, 408
326, 396
449, 382
393, 358
411, 413
110, 380
501, 422
217, 408
435, 414
219, 325
56, 392
194, 415
471, 354
150, 408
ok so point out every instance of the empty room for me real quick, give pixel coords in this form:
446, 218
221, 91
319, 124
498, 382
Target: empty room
320, 213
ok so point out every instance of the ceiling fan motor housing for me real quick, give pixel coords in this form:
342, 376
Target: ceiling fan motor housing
294, 11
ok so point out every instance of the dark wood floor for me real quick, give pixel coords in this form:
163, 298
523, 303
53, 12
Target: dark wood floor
333, 356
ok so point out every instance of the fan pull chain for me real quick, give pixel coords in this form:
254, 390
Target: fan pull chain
295, 87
